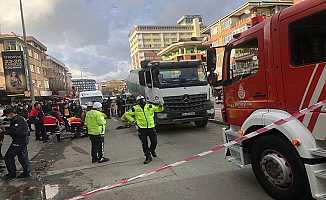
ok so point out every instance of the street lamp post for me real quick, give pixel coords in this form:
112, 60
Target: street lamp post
30, 80
82, 78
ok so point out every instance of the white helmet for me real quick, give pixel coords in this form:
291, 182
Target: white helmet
140, 97
97, 105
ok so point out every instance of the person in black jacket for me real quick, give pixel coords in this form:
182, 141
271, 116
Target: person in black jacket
18, 131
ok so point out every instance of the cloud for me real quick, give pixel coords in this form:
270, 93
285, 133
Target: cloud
11, 14
92, 35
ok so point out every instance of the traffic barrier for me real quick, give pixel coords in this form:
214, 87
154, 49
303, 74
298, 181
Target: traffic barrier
214, 149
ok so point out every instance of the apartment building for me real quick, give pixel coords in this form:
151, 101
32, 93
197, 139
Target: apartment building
222, 30
116, 86
37, 61
46, 71
38, 65
58, 77
146, 41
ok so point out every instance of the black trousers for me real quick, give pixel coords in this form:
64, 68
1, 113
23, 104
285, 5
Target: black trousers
1, 142
29, 122
144, 134
40, 131
21, 152
97, 147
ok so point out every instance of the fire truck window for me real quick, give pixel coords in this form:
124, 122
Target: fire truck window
308, 40
244, 60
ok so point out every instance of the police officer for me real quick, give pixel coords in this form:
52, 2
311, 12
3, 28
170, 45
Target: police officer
19, 132
143, 115
95, 122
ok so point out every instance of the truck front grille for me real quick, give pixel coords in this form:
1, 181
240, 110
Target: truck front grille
186, 103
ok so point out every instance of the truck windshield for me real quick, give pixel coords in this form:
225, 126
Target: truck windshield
185, 76
85, 100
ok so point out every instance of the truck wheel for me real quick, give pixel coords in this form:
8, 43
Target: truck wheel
201, 123
279, 169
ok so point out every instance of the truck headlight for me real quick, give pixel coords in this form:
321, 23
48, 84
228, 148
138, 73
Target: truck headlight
210, 111
162, 115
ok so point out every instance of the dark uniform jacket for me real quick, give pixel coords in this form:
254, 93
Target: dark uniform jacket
18, 130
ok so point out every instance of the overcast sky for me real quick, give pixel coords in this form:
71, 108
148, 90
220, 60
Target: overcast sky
92, 35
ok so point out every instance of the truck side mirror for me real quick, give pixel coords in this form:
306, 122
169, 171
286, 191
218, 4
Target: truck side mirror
141, 78
211, 59
148, 79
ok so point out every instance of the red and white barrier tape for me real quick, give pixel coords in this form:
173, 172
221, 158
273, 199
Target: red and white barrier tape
216, 148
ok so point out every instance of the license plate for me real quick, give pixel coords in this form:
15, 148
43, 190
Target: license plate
188, 114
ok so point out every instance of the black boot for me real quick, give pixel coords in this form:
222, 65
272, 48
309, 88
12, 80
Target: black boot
154, 154
8, 177
102, 160
58, 137
148, 160
24, 175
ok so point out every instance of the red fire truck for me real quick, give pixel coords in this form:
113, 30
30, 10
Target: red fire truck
276, 68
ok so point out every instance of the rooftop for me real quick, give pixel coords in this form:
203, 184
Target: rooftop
48, 57
247, 6
33, 39
182, 43
28, 38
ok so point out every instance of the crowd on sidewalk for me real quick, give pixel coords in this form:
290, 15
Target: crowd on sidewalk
19, 120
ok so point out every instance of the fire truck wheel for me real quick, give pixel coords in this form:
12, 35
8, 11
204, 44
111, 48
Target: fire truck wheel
202, 123
279, 169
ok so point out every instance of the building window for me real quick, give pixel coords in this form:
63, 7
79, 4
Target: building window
38, 70
39, 84
31, 67
228, 38
46, 84
227, 23
244, 60
10, 45
307, 40
30, 53
36, 56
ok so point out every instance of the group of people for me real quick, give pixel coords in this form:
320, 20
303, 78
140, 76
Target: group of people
17, 122
141, 114
117, 107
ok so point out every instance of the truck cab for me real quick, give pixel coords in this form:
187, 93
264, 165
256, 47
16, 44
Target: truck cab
270, 71
181, 86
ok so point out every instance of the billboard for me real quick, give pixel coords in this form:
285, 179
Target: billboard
14, 71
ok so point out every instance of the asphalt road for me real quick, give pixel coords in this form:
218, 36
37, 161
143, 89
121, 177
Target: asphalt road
68, 171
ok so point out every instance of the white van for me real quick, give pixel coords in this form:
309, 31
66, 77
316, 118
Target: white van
90, 96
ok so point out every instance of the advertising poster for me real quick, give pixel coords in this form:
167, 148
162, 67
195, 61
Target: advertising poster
14, 71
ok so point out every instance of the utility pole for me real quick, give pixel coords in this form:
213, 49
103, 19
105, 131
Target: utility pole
30, 80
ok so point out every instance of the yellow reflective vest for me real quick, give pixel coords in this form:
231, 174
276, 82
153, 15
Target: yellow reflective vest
95, 122
144, 118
